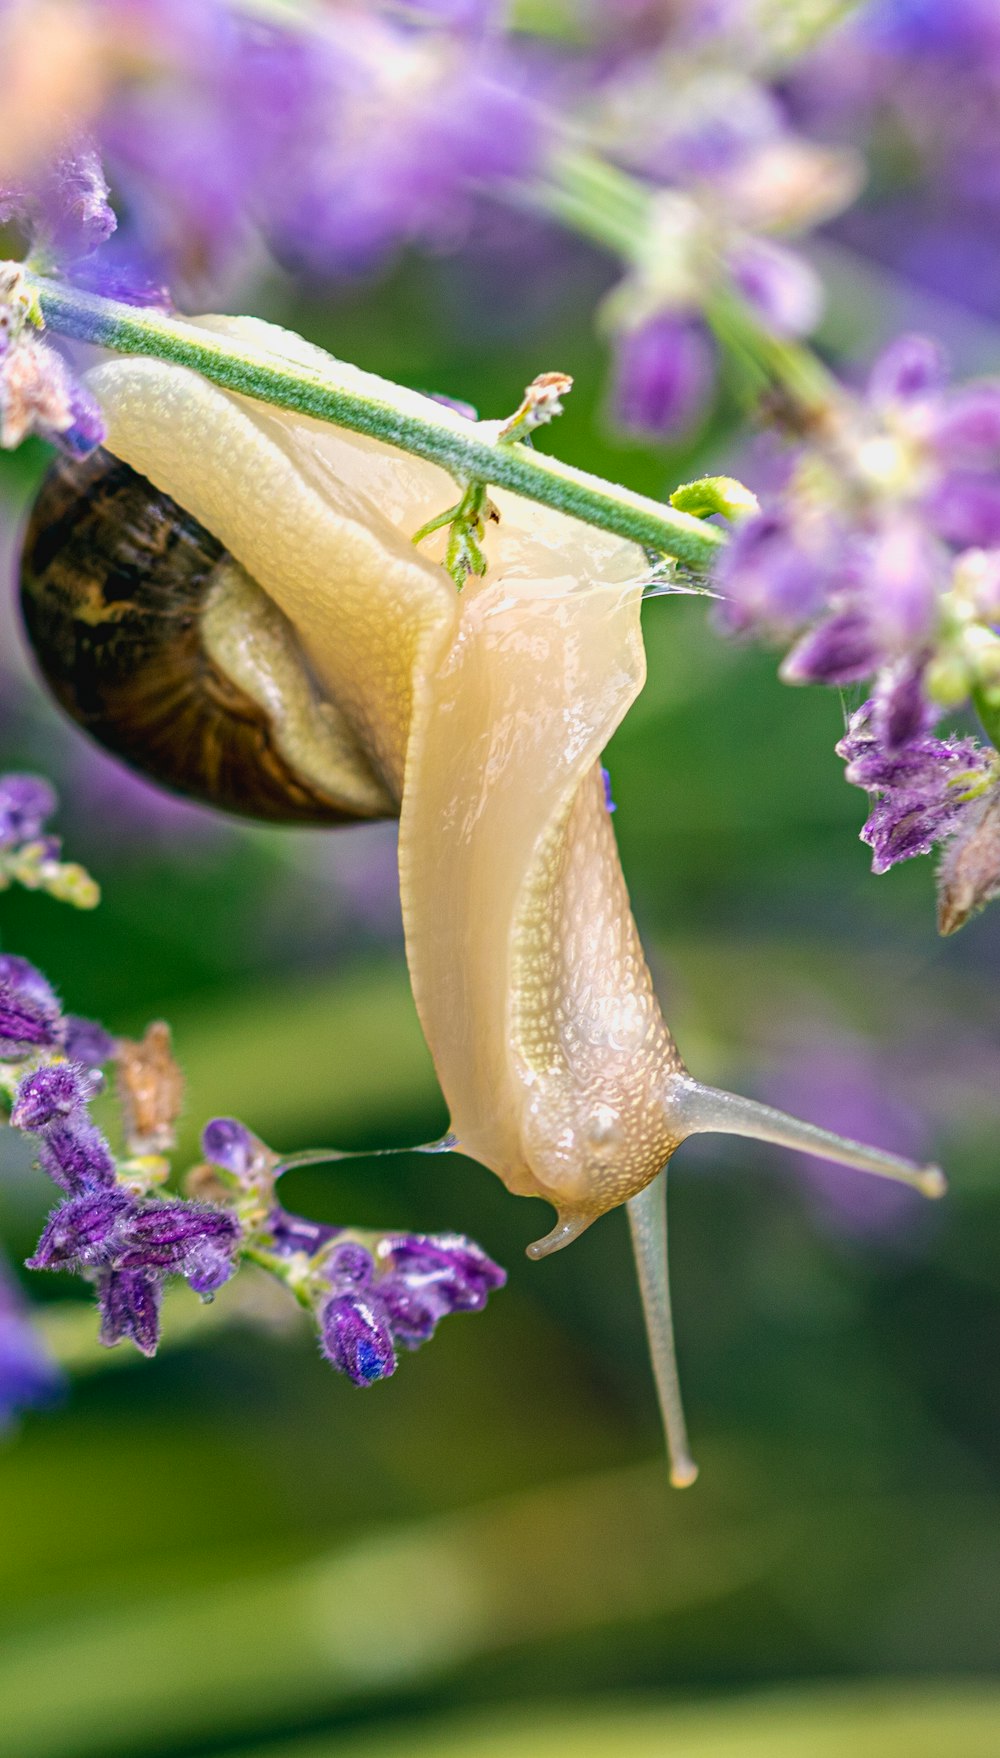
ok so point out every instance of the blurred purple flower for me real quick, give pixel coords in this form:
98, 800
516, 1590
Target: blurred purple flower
30, 1016
88, 1042
783, 290
911, 367
836, 1080
26, 801
662, 376
884, 600
28, 1375
771, 582
63, 206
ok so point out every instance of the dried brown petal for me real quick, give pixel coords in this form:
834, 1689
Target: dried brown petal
969, 873
150, 1090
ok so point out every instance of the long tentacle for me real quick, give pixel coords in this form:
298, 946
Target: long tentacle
707, 1110
647, 1214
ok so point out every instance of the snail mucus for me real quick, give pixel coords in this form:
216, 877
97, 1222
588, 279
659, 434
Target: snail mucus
233, 602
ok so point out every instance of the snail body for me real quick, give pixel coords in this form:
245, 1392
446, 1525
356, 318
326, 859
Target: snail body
481, 718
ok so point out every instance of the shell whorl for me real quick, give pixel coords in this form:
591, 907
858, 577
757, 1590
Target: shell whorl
118, 585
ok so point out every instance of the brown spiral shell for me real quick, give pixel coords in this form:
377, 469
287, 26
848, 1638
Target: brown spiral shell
114, 579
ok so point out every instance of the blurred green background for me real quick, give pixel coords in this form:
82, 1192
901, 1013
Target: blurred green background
231, 1550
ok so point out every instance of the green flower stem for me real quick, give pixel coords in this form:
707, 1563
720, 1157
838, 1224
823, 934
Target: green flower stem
614, 210
387, 416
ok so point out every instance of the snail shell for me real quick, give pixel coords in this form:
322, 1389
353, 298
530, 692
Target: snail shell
162, 648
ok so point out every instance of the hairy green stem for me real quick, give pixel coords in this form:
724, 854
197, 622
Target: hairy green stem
389, 415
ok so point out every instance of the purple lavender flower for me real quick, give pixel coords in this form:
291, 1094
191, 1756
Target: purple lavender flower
76, 1156
396, 1295
129, 1305
662, 376
229, 1144
921, 785
772, 582
30, 1017
81, 1232
63, 205
56, 1091
912, 367
182, 1238
88, 1042
422, 1278
356, 1339
782, 289
884, 602
291, 1234
28, 1376
26, 802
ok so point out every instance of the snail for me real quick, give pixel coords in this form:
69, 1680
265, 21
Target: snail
370, 685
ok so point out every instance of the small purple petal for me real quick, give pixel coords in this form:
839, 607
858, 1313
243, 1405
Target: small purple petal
76, 1156
966, 430
608, 798
76, 210
88, 1042
350, 1268
771, 584
52, 1092
81, 1231
172, 1236
921, 783
842, 650
25, 1024
87, 429
355, 1338
662, 376
229, 1144
783, 290
901, 711
424, 1277
28, 981
208, 1264
911, 367
964, 508
291, 1234
129, 1304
